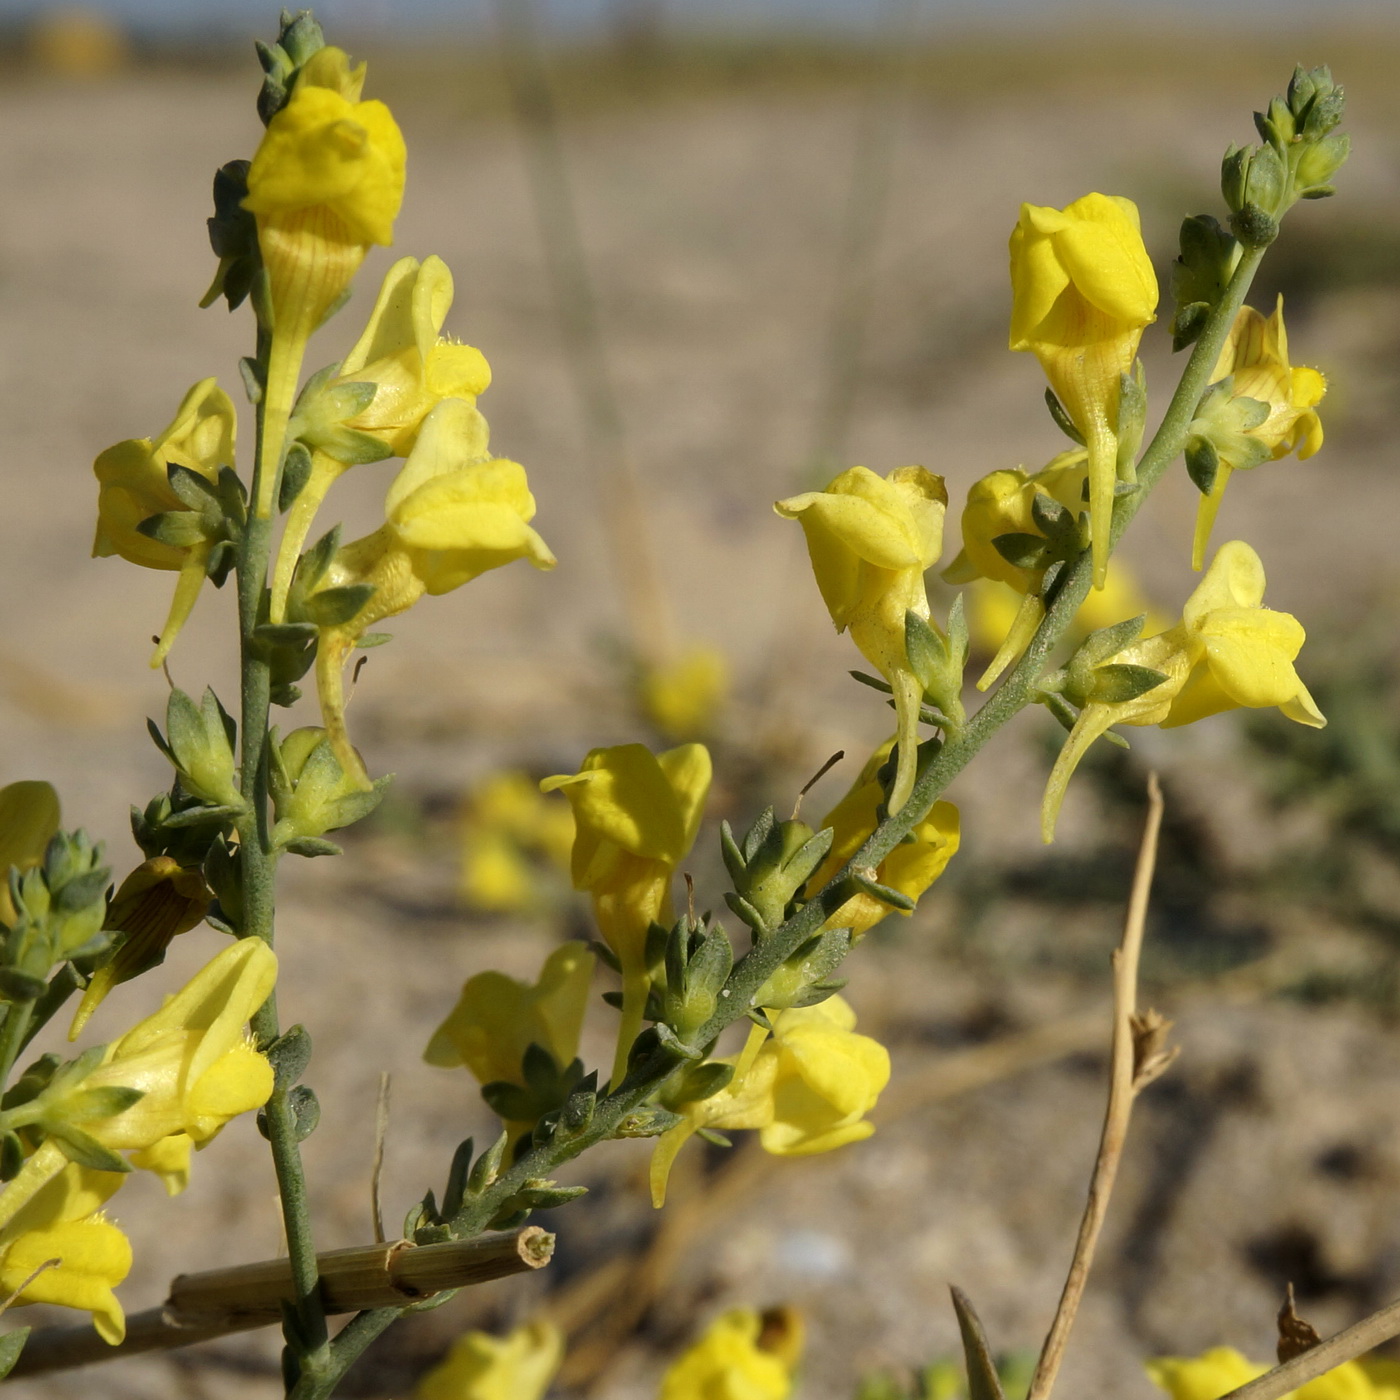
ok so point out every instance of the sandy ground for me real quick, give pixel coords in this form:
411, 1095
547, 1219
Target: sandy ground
713, 227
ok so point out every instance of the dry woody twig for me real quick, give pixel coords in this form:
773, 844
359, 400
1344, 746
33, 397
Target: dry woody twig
204, 1306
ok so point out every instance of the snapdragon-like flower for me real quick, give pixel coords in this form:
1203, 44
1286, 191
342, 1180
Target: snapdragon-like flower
134, 485
452, 513
412, 367
1222, 1369
870, 540
482, 1367
910, 868
1083, 291
806, 1089
182, 1073
326, 183
64, 1222
498, 1018
637, 815
1227, 652
730, 1362
1254, 361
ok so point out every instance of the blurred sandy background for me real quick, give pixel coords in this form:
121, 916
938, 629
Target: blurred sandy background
713, 180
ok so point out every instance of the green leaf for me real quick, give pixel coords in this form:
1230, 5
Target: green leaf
192, 487
296, 472
509, 1101
332, 607
1062, 419
651, 1120
86, 1151
11, 1345
317, 559
254, 378
306, 1111
983, 1383
180, 529
487, 1167
106, 1101
457, 1177
289, 1056
1116, 684
1099, 645
894, 898
926, 650
313, 846
874, 682
1021, 551
1202, 463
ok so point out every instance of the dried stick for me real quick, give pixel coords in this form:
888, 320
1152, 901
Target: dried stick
214, 1304
1130, 1071
1355, 1341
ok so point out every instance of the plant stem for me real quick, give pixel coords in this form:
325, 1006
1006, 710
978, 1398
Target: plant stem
13, 1036
259, 869
936, 773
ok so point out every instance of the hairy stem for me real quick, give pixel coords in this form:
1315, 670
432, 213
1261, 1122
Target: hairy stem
259, 870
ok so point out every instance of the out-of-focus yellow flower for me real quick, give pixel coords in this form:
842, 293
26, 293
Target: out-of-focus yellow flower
157, 901
76, 41
910, 868
1083, 290
505, 820
1206, 1377
452, 513
63, 1222
1221, 1369
481, 1367
683, 696
497, 1019
326, 183
730, 1362
1256, 355
1226, 652
871, 539
134, 484
29, 818
806, 1090
413, 368
637, 815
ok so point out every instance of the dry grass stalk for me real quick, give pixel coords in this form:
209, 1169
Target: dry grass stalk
1139, 1056
222, 1301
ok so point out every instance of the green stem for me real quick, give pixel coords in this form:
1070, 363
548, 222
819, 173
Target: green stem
13, 1037
350, 1344
936, 772
259, 870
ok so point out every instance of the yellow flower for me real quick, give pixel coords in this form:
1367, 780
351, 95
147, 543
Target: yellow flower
1221, 1369
452, 513
683, 696
157, 901
806, 1090
29, 818
1245, 651
192, 1062
63, 1222
413, 368
504, 821
482, 1367
910, 868
1083, 290
497, 1019
326, 182
1226, 652
1256, 355
134, 485
1206, 1377
870, 540
169, 1159
730, 1363
637, 815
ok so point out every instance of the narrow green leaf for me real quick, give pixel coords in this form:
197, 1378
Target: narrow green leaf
983, 1383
